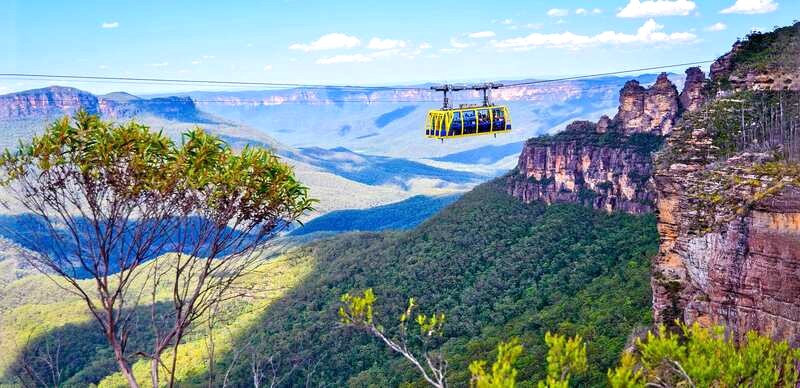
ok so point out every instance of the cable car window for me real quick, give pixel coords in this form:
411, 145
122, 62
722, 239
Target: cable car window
455, 126
484, 124
499, 120
470, 122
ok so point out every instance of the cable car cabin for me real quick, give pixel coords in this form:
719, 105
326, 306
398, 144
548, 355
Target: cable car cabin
467, 121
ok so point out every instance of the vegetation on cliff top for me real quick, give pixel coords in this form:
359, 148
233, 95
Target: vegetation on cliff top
777, 50
643, 143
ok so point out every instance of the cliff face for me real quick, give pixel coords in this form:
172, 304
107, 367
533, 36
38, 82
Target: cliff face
57, 101
726, 187
606, 165
730, 244
728, 211
578, 170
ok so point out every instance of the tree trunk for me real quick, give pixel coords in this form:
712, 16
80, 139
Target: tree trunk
154, 371
125, 369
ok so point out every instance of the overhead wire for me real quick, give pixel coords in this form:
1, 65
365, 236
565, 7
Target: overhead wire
325, 101
283, 85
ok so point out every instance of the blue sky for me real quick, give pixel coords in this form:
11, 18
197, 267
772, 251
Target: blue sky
365, 42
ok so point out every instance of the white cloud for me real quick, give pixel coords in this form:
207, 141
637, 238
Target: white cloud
196, 62
506, 22
457, 44
159, 64
581, 11
102, 67
751, 7
328, 42
481, 34
385, 44
424, 46
649, 8
718, 26
449, 50
534, 26
344, 59
267, 68
208, 57
649, 32
597, 11
557, 12
109, 25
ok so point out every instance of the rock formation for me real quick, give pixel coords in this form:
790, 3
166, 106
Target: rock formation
58, 101
651, 110
606, 165
55, 100
775, 67
694, 93
578, 170
730, 244
730, 223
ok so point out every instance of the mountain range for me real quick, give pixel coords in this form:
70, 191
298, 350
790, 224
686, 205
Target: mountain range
367, 144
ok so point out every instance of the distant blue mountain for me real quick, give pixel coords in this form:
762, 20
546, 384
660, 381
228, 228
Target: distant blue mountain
59, 245
483, 155
388, 117
401, 215
379, 170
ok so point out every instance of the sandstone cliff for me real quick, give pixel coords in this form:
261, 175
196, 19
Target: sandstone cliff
728, 188
579, 166
606, 165
725, 187
54, 101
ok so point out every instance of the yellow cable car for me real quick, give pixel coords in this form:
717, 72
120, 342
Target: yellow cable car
467, 120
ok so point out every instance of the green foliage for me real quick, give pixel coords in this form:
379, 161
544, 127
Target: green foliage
496, 268
564, 357
503, 374
769, 51
112, 174
706, 357
357, 310
134, 163
644, 143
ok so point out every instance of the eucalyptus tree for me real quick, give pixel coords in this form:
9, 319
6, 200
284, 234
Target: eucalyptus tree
111, 198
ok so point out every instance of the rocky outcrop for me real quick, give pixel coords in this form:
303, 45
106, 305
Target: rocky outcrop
579, 170
652, 110
694, 93
606, 165
763, 61
730, 221
730, 245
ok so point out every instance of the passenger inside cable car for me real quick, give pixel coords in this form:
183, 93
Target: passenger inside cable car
455, 126
484, 124
499, 120
470, 122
